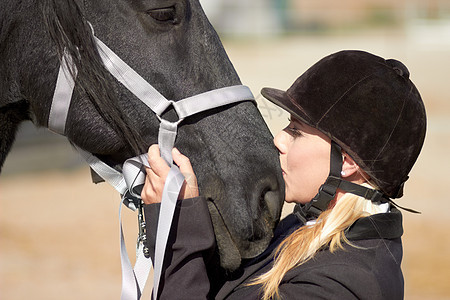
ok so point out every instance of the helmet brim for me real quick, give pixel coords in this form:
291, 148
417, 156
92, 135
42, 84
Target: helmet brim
282, 99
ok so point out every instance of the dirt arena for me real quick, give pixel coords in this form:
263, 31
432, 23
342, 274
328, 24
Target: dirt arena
59, 232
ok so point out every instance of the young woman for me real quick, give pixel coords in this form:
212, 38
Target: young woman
356, 129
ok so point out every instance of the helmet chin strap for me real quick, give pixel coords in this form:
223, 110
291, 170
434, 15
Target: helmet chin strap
327, 191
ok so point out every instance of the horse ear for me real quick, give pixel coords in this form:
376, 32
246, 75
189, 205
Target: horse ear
96, 178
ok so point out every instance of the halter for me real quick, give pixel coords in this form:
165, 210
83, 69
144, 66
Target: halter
130, 181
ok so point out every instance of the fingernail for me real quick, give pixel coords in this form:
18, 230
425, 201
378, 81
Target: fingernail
176, 151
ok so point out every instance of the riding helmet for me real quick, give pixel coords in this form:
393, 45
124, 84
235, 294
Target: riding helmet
368, 106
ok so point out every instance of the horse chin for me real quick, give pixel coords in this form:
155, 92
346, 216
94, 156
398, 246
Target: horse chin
230, 258
231, 254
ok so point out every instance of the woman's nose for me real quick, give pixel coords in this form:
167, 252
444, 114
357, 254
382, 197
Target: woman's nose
280, 141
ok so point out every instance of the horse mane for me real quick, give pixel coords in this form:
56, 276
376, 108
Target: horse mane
72, 33
6, 26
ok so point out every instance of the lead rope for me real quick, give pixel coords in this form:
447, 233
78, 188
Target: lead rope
131, 181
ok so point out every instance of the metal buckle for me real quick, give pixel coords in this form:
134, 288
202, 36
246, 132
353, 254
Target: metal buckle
170, 103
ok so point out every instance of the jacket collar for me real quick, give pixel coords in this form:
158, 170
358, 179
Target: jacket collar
384, 225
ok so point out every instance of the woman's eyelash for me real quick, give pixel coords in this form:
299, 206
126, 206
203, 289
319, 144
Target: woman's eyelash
295, 132
292, 130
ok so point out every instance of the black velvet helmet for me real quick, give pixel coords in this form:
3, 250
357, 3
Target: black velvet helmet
368, 106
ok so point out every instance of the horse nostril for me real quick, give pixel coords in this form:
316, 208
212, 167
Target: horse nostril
272, 201
269, 199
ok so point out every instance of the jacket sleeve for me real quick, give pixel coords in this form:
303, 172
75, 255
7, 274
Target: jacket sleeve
190, 246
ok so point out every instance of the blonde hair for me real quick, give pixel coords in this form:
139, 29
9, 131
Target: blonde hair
303, 244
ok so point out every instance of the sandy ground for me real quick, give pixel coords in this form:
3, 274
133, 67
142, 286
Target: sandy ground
59, 232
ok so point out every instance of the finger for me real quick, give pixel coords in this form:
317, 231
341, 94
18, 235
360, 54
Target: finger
147, 190
153, 187
190, 187
182, 162
152, 176
148, 193
156, 162
148, 170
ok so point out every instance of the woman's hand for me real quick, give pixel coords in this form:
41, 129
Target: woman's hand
157, 174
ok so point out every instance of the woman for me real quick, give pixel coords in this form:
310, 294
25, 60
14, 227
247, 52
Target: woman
356, 129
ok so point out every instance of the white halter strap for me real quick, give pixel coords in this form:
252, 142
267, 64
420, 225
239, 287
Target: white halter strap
131, 181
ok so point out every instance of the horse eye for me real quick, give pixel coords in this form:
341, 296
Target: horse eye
167, 14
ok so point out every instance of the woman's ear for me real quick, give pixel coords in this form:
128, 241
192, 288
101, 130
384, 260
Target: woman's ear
351, 170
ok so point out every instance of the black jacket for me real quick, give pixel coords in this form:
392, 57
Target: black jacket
369, 271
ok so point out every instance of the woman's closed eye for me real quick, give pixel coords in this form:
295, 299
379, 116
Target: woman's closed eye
293, 131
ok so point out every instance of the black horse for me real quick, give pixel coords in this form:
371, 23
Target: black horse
174, 47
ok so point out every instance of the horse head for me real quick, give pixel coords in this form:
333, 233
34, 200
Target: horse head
173, 46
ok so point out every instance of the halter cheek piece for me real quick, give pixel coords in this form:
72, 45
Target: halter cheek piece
129, 183
327, 191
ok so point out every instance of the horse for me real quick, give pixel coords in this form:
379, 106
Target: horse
173, 46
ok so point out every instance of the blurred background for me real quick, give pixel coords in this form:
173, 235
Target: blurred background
59, 232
